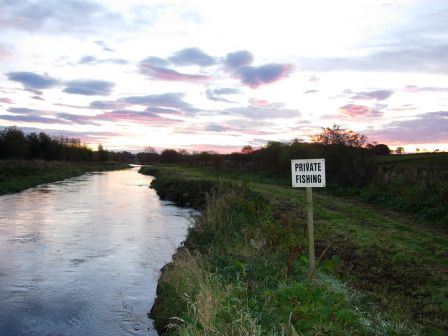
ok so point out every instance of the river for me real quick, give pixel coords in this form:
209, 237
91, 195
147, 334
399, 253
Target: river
82, 256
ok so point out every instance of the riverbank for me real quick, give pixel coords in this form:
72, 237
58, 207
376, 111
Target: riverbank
242, 269
18, 175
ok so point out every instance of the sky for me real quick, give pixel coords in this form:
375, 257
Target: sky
218, 75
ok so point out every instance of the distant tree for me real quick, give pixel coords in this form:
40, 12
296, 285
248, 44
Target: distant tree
102, 154
399, 150
381, 149
247, 149
169, 156
14, 144
339, 136
149, 149
149, 155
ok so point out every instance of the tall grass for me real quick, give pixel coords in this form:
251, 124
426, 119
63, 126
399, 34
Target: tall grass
241, 272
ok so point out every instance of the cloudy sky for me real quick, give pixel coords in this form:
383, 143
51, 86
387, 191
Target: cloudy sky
217, 75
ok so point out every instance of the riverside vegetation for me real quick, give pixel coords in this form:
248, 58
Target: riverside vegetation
243, 270
27, 160
18, 175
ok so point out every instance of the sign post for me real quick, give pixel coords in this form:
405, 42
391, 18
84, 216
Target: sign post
308, 174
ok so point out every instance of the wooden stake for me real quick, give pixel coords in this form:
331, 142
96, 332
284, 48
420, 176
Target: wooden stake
309, 210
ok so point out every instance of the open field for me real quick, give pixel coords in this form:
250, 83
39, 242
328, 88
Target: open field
431, 160
392, 262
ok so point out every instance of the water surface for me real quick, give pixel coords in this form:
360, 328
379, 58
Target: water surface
82, 256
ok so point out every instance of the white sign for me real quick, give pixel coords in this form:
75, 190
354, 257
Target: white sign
308, 173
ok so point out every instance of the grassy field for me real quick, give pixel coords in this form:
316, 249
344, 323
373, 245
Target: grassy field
435, 160
388, 271
18, 175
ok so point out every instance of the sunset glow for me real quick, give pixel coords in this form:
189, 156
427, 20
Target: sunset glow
208, 75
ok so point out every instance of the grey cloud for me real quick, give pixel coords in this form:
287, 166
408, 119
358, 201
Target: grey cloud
217, 94
155, 61
264, 74
431, 127
77, 119
57, 16
192, 56
170, 100
215, 128
32, 81
89, 87
375, 95
108, 105
238, 59
147, 118
89, 59
92, 60
22, 110
415, 88
33, 118
423, 58
155, 68
103, 46
162, 110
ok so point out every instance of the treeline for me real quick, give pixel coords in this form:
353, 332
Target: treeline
348, 159
15, 144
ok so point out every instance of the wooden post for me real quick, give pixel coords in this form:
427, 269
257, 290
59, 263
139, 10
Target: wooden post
309, 210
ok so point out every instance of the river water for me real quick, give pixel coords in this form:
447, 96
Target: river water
82, 256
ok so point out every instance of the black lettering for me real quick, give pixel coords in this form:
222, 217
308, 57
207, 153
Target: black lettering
297, 166
319, 178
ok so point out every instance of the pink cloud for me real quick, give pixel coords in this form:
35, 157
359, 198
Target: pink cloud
355, 111
6, 100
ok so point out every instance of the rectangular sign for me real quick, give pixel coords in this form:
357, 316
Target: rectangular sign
308, 173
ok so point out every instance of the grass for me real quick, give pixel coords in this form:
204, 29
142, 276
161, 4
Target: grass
386, 271
18, 175
431, 160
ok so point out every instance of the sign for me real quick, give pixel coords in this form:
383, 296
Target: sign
308, 173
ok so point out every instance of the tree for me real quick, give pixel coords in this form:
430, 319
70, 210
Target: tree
169, 156
381, 149
103, 155
399, 150
339, 136
247, 149
14, 144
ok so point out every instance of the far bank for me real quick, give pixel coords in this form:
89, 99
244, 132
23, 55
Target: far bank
18, 175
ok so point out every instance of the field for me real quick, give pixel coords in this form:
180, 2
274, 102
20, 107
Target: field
387, 270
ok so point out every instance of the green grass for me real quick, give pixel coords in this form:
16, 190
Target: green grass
18, 175
379, 258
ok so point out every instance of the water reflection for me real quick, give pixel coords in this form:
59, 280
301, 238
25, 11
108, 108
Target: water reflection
81, 256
